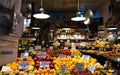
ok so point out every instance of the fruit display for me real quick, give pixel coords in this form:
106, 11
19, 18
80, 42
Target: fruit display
61, 61
74, 51
67, 57
38, 59
80, 72
101, 43
44, 71
50, 52
14, 66
116, 47
65, 51
67, 72
23, 44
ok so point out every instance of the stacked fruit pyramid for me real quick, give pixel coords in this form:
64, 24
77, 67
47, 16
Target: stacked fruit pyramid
60, 65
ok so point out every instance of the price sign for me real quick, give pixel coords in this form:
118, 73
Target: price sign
44, 64
91, 68
24, 55
23, 65
83, 47
93, 48
80, 47
5, 68
43, 48
88, 47
79, 66
86, 57
73, 47
63, 68
51, 47
41, 64
62, 56
65, 48
38, 47
42, 54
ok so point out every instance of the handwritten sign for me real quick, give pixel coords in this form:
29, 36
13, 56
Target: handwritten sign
43, 48
24, 55
86, 57
87, 47
80, 47
44, 64
38, 47
23, 65
79, 66
5, 68
63, 68
91, 68
93, 48
65, 48
62, 56
42, 54
51, 47
73, 47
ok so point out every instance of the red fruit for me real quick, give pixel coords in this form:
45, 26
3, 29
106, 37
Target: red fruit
35, 58
37, 65
37, 62
51, 66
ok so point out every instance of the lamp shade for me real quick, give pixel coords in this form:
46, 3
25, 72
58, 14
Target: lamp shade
112, 27
78, 17
41, 14
35, 27
101, 31
87, 21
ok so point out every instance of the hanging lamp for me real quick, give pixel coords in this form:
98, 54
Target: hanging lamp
112, 27
78, 16
35, 27
41, 14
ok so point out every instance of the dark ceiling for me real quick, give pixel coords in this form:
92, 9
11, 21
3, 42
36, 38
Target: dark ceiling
68, 7
71, 5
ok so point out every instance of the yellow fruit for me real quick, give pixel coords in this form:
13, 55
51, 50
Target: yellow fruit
21, 73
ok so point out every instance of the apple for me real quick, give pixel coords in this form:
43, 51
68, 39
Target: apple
35, 58
37, 62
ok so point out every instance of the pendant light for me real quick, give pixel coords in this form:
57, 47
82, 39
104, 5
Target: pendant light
101, 31
112, 27
35, 27
41, 14
78, 16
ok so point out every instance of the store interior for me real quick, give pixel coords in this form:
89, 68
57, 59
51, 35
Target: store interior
60, 37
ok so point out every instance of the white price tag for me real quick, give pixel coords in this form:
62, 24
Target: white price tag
93, 48
73, 47
44, 64
42, 54
62, 56
86, 57
88, 47
51, 47
5, 68
79, 66
80, 47
83, 47
38, 47
43, 48
63, 68
24, 64
24, 55
91, 68
65, 48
